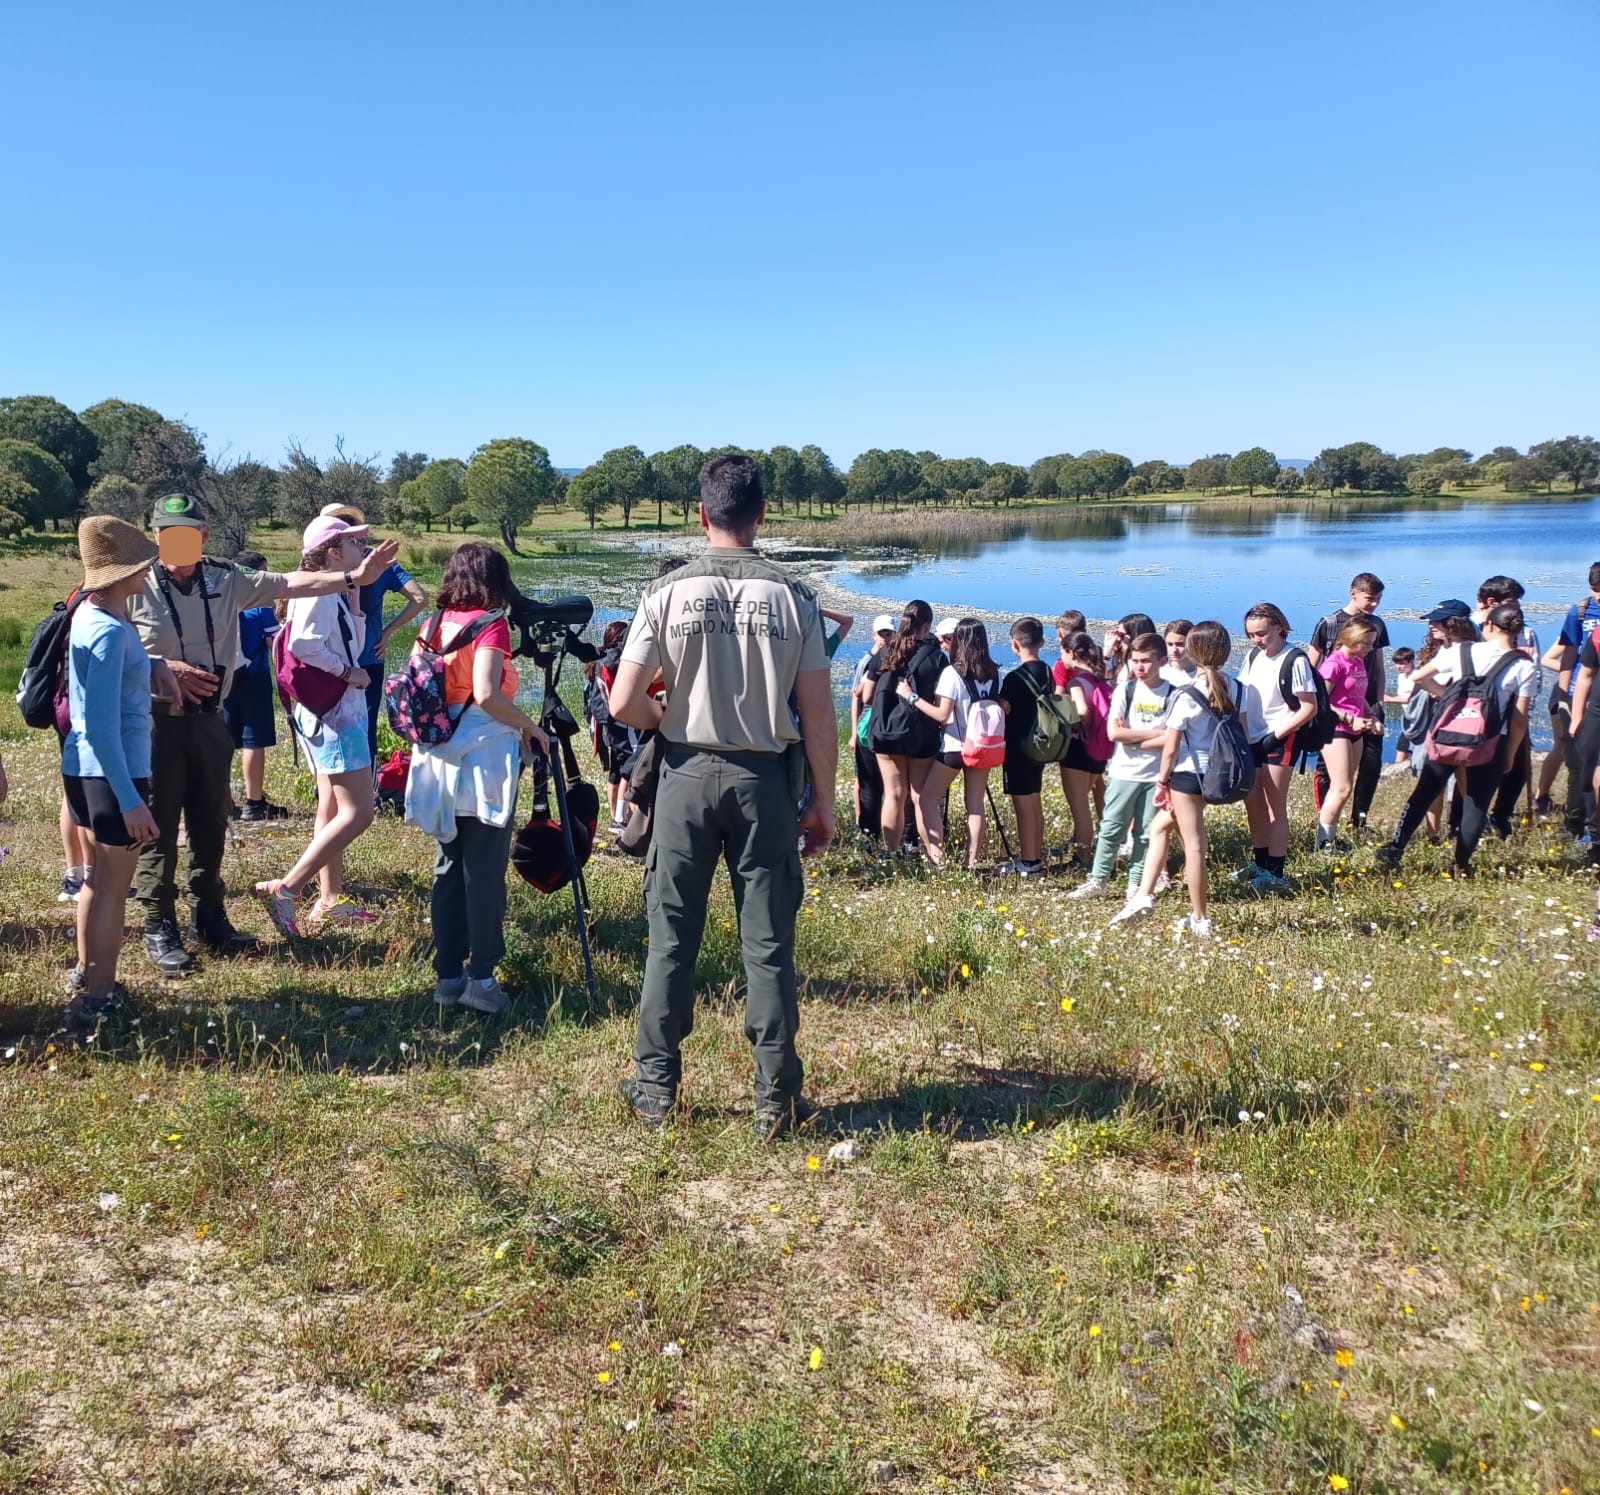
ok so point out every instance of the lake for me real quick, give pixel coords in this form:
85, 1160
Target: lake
1188, 560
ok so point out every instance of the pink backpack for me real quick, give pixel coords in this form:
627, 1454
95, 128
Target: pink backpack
1092, 730
1466, 727
983, 744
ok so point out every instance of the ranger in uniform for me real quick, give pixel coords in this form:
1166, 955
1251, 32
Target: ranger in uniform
735, 639
188, 615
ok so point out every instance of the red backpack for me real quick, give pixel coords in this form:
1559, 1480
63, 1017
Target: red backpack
1466, 727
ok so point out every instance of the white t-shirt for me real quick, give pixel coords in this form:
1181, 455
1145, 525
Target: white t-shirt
1196, 725
1265, 709
1403, 686
1175, 676
1517, 680
1149, 708
952, 687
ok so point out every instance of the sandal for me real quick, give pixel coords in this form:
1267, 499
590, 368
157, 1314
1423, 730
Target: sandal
280, 907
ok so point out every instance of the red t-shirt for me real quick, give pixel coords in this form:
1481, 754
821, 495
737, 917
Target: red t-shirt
458, 666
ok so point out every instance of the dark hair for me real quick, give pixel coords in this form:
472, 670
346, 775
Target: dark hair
1071, 621
1149, 643
1129, 626
1594, 577
1272, 613
1501, 588
1179, 626
914, 624
252, 559
616, 631
477, 575
1455, 631
1087, 653
1029, 632
1507, 618
969, 653
1365, 581
669, 564
730, 492
1209, 648
1403, 655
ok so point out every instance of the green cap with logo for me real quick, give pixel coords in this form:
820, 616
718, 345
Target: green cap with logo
178, 509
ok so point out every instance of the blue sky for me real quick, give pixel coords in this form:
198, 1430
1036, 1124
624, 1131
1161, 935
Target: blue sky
1002, 230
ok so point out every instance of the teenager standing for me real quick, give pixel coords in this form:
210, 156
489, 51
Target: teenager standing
1273, 719
1366, 597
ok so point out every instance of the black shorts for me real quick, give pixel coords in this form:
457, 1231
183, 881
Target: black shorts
94, 807
1020, 776
1282, 757
1079, 759
1186, 783
952, 760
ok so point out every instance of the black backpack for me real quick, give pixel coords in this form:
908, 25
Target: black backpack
44, 672
1317, 733
1231, 768
898, 729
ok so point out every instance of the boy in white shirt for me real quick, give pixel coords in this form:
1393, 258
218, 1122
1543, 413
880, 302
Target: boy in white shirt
1136, 725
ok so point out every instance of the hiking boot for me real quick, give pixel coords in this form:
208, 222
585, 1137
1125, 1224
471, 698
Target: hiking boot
262, 809
1501, 826
486, 996
216, 932
776, 1118
447, 990
163, 945
652, 1107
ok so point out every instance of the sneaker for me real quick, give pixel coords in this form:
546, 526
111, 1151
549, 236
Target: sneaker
486, 996
1246, 874
1094, 888
649, 1106
447, 990
71, 886
1163, 882
1030, 869
84, 1011
263, 809
1138, 906
343, 910
164, 947
1541, 805
1388, 855
1592, 933
280, 908
75, 984
1271, 882
777, 1118
1192, 925
1501, 826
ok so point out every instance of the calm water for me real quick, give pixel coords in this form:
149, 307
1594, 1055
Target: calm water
1186, 561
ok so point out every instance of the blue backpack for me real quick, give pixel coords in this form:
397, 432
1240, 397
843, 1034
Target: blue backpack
1231, 769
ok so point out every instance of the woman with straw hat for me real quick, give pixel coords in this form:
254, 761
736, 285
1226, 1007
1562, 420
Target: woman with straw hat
105, 756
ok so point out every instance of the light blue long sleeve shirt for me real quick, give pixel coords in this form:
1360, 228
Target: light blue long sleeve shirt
108, 691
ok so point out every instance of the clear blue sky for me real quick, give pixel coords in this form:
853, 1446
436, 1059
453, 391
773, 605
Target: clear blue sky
1001, 230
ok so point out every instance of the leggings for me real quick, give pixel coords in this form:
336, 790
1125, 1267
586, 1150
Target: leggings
1515, 781
1481, 783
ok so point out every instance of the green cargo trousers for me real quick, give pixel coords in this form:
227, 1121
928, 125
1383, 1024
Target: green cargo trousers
738, 808
191, 759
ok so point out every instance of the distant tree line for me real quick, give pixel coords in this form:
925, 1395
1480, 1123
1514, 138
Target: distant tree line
115, 457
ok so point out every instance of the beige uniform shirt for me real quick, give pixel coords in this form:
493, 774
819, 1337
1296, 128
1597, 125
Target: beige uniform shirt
729, 633
229, 589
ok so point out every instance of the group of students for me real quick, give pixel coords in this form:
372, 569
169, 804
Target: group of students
463, 792
1147, 706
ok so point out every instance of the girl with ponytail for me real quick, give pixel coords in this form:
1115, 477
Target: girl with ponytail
903, 739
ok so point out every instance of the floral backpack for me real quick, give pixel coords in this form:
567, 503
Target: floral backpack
414, 696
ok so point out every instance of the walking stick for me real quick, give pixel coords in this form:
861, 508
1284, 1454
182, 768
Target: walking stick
999, 822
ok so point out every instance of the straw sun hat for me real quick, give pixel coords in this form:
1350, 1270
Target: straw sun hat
112, 550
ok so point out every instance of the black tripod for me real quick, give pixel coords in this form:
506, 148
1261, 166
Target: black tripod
559, 724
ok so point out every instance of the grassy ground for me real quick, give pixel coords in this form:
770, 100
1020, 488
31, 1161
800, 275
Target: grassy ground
1312, 1204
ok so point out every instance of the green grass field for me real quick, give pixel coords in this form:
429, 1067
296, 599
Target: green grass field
1309, 1208
290, 1230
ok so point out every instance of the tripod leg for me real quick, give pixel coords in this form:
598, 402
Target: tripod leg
579, 894
999, 822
